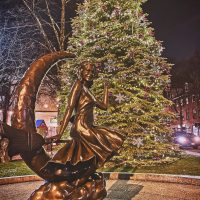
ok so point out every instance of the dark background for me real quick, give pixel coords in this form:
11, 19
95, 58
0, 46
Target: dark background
176, 23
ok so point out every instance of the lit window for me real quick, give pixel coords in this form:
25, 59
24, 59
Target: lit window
193, 98
187, 113
176, 103
194, 113
53, 120
46, 105
181, 102
187, 100
186, 87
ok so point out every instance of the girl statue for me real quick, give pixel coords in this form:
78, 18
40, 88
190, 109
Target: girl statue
91, 146
74, 166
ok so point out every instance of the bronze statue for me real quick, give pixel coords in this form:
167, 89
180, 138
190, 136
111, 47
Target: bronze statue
4, 157
71, 173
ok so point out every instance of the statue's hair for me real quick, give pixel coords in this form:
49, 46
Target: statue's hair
82, 65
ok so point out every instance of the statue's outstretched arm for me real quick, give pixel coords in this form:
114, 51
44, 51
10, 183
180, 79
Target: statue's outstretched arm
104, 104
72, 99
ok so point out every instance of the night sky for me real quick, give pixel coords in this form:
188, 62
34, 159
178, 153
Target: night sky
176, 23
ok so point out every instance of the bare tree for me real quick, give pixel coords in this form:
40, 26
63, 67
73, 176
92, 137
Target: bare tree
52, 22
27, 31
50, 17
16, 51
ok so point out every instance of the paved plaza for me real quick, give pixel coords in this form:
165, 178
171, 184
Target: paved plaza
117, 190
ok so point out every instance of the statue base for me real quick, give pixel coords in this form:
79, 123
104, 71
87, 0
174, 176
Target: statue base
93, 189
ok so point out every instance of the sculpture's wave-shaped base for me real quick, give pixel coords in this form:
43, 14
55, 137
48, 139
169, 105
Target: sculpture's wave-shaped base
93, 189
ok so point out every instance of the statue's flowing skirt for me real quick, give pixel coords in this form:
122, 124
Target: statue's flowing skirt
97, 143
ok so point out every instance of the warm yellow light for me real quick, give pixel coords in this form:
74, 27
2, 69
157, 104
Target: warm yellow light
46, 105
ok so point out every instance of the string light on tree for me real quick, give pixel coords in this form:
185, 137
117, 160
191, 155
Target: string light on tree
109, 68
126, 45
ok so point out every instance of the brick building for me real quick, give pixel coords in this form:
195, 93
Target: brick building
187, 107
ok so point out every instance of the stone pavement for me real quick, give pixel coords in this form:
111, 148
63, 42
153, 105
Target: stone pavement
117, 190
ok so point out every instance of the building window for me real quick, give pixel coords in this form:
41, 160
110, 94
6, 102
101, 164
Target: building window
187, 114
193, 98
53, 120
181, 102
186, 87
194, 113
187, 100
176, 103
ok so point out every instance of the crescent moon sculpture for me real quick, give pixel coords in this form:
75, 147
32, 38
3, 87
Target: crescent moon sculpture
24, 111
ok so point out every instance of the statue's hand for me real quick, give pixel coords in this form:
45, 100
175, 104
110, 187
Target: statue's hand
53, 138
57, 137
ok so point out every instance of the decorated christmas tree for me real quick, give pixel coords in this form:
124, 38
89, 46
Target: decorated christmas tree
117, 37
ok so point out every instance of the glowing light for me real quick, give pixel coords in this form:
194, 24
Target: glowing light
46, 105
182, 140
197, 139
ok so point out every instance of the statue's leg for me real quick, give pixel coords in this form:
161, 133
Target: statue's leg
75, 174
85, 176
83, 171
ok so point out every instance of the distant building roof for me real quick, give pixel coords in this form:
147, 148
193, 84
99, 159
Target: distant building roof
40, 122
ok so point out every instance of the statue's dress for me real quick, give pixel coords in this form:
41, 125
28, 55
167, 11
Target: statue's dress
88, 141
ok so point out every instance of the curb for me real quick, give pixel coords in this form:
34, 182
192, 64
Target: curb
19, 179
165, 178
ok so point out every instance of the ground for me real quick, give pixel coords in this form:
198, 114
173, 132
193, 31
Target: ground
123, 189
117, 190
